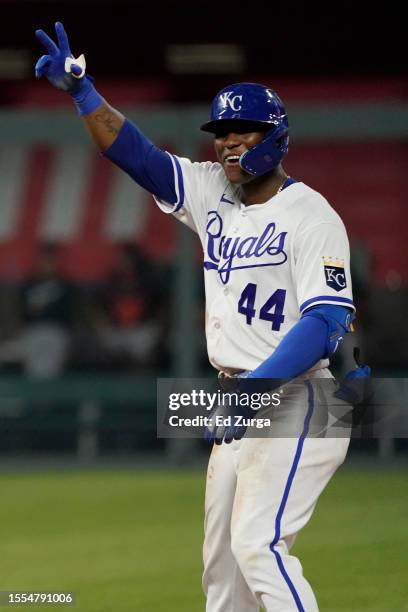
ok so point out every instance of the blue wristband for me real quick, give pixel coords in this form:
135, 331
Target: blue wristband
86, 98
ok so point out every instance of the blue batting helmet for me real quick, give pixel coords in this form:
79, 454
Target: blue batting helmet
260, 107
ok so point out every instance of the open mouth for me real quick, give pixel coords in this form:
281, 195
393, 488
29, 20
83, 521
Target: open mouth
231, 160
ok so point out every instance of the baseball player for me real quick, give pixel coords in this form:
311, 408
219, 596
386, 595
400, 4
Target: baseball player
278, 302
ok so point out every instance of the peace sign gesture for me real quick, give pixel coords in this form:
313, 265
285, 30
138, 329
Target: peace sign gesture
59, 66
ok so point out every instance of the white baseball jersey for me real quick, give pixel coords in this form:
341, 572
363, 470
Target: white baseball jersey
264, 264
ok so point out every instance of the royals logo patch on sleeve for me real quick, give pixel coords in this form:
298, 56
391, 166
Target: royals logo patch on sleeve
334, 273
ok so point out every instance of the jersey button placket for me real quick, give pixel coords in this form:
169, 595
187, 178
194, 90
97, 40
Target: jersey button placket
235, 222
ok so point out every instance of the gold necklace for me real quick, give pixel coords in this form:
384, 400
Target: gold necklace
282, 184
238, 189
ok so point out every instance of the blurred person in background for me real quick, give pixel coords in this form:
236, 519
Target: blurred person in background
127, 308
45, 305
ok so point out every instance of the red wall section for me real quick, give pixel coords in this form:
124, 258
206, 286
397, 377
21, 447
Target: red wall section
323, 89
88, 253
365, 183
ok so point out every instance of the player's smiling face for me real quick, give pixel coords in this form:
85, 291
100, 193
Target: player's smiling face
230, 143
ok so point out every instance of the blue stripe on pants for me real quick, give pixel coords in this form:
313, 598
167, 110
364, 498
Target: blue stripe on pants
286, 495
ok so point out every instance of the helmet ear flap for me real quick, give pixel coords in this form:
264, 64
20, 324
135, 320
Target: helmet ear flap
282, 143
268, 154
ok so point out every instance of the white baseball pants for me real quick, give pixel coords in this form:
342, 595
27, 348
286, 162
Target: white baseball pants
260, 493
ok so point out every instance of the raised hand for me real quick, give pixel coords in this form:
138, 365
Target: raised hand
59, 66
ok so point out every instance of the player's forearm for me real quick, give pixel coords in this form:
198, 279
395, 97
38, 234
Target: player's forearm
104, 125
315, 336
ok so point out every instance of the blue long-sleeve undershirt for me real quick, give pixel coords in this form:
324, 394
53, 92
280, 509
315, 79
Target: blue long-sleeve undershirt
304, 345
149, 166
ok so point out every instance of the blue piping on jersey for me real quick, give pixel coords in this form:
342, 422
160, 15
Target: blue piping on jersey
180, 183
286, 492
328, 298
289, 181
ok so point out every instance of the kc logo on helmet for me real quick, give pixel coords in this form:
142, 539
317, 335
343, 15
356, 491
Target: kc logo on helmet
234, 102
335, 273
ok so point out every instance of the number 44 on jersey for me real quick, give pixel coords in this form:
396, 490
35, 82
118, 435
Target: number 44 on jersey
272, 310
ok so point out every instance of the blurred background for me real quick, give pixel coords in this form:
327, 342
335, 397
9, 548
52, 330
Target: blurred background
101, 294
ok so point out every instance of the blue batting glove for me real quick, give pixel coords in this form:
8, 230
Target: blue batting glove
225, 423
355, 388
225, 419
66, 72
67, 76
